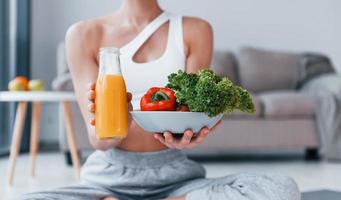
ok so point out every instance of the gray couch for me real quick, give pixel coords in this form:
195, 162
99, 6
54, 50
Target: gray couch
284, 118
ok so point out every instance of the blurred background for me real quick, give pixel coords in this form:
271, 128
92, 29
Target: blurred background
287, 53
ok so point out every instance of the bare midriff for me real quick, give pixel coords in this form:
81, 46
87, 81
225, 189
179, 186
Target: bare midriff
139, 140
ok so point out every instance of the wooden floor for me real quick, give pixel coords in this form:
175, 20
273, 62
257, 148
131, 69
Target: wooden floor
52, 172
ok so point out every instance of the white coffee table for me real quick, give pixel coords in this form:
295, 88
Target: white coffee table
23, 98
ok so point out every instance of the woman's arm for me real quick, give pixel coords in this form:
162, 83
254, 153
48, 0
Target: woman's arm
81, 57
198, 41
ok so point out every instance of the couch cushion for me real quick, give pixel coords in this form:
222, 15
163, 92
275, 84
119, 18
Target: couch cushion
224, 64
261, 70
287, 104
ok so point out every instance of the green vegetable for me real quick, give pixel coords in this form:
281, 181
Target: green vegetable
207, 92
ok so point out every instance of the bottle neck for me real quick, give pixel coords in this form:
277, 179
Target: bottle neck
118, 61
110, 62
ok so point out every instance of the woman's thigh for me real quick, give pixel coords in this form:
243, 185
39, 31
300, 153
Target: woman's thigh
241, 187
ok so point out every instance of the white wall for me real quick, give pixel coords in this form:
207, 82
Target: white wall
301, 25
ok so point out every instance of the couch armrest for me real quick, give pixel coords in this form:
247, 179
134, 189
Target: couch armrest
326, 91
326, 83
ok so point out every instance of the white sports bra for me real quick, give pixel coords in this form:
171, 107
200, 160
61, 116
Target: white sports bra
139, 77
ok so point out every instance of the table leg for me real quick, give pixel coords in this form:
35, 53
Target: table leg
35, 123
16, 139
71, 137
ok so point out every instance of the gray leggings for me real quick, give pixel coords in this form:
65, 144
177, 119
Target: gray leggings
169, 173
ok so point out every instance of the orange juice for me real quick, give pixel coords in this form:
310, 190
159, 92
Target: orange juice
111, 97
111, 107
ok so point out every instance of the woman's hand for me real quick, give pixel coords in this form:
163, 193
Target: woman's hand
188, 140
107, 143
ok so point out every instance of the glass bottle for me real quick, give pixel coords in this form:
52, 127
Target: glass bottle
111, 97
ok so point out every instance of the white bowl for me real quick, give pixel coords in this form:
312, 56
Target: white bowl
175, 122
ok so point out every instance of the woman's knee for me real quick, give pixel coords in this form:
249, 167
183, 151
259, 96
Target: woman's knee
250, 186
274, 185
289, 189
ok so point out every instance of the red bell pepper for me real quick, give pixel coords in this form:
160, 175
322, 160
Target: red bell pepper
158, 99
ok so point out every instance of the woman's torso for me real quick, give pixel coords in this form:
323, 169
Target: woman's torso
148, 56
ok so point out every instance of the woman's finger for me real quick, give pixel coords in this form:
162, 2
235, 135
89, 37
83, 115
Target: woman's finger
92, 122
129, 96
92, 107
186, 138
201, 136
160, 138
171, 142
130, 107
92, 86
91, 95
215, 126
168, 137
